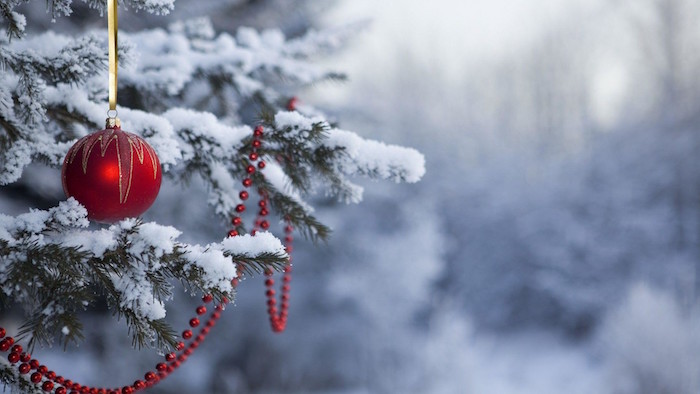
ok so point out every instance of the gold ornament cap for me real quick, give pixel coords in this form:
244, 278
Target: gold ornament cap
112, 123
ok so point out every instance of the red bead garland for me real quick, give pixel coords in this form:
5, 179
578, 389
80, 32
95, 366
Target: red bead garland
278, 316
48, 381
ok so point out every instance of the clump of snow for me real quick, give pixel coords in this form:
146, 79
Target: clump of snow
295, 120
218, 269
151, 237
70, 213
19, 20
137, 295
65, 330
376, 158
253, 245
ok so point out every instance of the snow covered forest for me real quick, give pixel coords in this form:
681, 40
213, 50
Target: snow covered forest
553, 244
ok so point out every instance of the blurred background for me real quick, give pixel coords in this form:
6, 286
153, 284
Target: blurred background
553, 245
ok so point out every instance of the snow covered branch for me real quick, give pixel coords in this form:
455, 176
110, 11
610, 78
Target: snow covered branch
56, 267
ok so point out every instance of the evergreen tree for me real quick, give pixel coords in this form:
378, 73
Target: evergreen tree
196, 96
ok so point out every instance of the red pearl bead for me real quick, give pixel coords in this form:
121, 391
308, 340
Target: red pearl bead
250, 169
256, 143
210, 323
262, 203
240, 208
180, 346
271, 302
201, 310
288, 229
161, 366
215, 315
42, 369
258, 131
68, 383
263, 212
5, 344
150, 375
187, 351
61, 390
127, 390
36, 377
58, 379
269, 282
288, 238
236, 221
170, 357
47, 386
261, 164
207, 298
25, 357
253, 156
205, 330
265, 224
292, 104
24, 368
224, 300
13, 358
200, 337
187, 334
233, 233
51, 375
270, 293
139, 385
16, 349
194, 322
34, 363
243, 195
247, 182
2, 332
181, 358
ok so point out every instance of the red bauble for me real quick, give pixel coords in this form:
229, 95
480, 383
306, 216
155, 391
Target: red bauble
113, 173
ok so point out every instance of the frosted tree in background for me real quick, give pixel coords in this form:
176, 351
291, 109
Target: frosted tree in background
203, 100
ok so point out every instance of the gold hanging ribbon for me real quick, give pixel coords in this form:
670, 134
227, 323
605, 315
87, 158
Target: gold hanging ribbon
113, 57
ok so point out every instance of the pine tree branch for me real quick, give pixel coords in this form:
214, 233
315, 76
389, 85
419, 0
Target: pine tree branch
54, 269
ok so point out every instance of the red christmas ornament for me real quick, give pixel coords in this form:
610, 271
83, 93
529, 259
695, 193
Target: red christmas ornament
113, 173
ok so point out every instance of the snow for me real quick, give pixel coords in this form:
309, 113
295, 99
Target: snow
251, 245
18, 20
295, 120
377, 158
151, 237
137, 295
